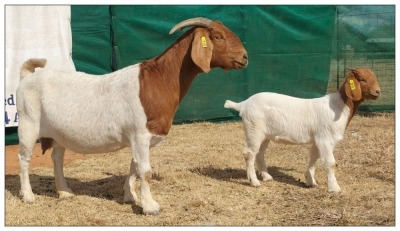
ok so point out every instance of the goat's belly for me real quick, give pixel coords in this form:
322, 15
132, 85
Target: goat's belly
93, 143
101, 148
290, 140
91, 147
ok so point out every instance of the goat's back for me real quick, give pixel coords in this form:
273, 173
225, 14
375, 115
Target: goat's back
266, 101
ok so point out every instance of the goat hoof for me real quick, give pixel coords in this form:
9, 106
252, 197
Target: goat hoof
334, 189
312, 184
266, 177
130, 198
28, 197
151, 212
65, 194
151, 208
255, 183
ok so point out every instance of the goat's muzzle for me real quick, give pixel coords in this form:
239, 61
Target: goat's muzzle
241, 63
374, 94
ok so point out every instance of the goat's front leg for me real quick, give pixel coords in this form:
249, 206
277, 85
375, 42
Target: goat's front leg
141, 153
129, 186
58, 161
309, 174
326, 152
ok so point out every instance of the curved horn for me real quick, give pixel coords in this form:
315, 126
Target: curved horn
354, 71
204, 22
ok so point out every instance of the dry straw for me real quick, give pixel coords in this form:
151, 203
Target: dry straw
200, 179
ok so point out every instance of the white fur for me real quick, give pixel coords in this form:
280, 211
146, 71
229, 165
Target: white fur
100, 114
93, 114
285, 119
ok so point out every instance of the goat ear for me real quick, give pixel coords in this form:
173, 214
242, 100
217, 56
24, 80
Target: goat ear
353, 88
202, 48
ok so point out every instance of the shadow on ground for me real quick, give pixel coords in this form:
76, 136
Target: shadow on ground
238, 175
109, 188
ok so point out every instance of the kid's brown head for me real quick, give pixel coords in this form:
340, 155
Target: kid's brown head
362, 84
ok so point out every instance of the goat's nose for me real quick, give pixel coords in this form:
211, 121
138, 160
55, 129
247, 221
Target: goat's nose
378, 91
245, 56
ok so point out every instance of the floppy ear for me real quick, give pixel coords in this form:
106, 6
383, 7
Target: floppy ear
202, 48
352, 87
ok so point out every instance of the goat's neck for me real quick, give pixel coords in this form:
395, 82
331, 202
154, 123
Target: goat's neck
352, 105
164, 81
181, 68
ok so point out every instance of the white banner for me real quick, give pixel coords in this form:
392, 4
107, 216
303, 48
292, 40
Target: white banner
34, 32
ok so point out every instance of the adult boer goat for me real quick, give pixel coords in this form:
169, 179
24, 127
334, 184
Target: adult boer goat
320, 122
132, 107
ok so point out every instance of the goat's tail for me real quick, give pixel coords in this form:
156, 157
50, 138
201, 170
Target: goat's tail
232, 105
29, 66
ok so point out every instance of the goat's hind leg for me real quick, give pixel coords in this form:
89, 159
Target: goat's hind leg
252, 148
249, 157
61, 185
28, 134
24, 159
260, 161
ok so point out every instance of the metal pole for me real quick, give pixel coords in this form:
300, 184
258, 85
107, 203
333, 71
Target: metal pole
337, 48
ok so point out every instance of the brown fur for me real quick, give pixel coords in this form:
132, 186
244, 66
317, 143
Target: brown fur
366, 87
165, 80
29, 66
46, 143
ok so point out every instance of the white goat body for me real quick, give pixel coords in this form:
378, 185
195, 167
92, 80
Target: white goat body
291, 120
320, 121
75, 120
132, 107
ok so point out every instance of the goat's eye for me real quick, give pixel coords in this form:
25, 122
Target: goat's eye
218, 37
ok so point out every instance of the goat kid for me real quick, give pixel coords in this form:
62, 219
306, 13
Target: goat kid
132, 107
321, 122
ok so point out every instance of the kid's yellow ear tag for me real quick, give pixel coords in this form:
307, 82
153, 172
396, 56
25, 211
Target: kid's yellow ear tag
203, 41
352, 86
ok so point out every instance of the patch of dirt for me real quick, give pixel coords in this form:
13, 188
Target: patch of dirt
38, 159
199, 179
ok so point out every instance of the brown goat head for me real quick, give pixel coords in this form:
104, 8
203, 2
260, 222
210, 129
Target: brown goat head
214, 45
362, 84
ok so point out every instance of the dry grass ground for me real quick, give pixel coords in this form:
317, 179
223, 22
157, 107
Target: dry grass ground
200, 180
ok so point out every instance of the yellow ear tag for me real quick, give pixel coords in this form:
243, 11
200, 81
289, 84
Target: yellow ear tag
203, 41
352, 86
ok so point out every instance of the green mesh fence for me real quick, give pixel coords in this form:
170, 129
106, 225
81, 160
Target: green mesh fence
301, 51
91, 39
289, 49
